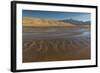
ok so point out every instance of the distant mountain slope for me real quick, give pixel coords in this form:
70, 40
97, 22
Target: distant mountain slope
76, 22
37, 22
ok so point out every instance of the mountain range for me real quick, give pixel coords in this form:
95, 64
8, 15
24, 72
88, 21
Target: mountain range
76, 22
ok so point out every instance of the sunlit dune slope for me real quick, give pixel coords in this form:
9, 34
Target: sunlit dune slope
37, 22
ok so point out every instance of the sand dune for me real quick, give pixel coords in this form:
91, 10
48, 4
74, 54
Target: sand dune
35, 22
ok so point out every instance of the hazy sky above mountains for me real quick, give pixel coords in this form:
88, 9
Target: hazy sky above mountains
57, 15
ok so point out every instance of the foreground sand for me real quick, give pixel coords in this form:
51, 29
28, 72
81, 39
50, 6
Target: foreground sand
56, 50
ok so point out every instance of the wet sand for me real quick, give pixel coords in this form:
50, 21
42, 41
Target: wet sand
74, 46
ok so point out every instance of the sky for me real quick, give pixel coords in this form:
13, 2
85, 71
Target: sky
57, 15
